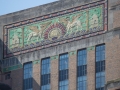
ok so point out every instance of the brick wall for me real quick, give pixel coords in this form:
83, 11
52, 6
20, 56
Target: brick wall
17, 79
91, 70
72, 72
113, 59
36, 76
54, 74
6, 80
116, 19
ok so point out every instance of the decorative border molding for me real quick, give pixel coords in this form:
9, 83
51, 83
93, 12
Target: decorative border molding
91, 48
36, 62
44, 17
54, 57
72, 53
12, 68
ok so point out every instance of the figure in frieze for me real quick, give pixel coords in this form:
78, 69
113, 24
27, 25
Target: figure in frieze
15, 38
15, 41
36, 32
94, 21
72, 22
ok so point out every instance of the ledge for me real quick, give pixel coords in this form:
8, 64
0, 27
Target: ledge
113, 81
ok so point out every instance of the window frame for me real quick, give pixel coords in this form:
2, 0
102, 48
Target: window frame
80, 65
100, 62
44, 74
61, 70
23, 73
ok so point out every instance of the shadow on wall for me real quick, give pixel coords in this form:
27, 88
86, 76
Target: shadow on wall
12, 73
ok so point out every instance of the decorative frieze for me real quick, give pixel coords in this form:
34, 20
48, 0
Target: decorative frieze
91, 48
11, 68
54, 57
36, 62
55, 28
72, 53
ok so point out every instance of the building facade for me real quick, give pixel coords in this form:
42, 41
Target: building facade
64, 45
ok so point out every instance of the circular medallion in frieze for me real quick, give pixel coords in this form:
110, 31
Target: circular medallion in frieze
55, 31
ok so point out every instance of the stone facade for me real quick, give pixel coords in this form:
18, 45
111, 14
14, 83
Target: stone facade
110, 36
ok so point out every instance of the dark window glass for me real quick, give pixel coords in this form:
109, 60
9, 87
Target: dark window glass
45, 74
63, 75
28, 80
63, 72
45, 79
7, 76
82, 70
100, 67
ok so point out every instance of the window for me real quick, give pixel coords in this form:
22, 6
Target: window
7, 76
100, 67
28, 76
82, 70
63, 72
45, 74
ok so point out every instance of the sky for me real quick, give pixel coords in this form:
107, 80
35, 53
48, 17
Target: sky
9, 6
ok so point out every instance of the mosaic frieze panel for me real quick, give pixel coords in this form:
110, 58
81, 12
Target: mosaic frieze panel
54, 29
15, 38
